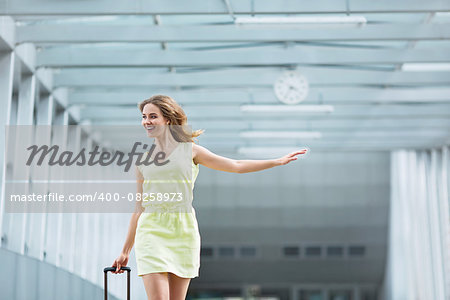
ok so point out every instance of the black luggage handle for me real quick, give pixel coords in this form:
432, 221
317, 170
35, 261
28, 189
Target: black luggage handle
111, 269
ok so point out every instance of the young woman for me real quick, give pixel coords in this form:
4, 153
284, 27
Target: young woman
168, 243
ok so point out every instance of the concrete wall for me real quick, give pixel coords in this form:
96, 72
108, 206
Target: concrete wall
27, 278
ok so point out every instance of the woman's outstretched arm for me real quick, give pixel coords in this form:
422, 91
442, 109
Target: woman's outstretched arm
211, 160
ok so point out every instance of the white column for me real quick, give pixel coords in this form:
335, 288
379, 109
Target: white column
444, 216
46, 110
434, 227
86, 246
52, 231
79, 232
95, 249
411, 244
6, 87
33, 219
25, 116
60, 222
74, 218
419, 226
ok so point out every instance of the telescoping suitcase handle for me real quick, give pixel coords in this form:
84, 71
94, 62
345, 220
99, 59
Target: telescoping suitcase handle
111, 269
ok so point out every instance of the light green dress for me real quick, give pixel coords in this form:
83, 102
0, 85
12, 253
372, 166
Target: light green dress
167, 236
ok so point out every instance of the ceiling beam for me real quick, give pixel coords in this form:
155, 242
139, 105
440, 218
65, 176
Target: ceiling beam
161, 7
328, 95
233, 112
328, 124
7, 33
82, 33
230, 146
356, 133
128, 57
239, 77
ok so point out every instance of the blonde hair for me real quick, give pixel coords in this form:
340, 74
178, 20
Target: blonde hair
173, 112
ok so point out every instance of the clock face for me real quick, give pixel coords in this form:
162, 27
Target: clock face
291, 87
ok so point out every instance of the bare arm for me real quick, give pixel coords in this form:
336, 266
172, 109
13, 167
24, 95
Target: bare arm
122, 260
211, 160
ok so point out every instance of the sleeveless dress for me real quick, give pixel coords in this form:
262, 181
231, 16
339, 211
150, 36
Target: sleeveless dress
167, 236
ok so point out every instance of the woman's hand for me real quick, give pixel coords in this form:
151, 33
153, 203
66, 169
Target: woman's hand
120, 262
291, 156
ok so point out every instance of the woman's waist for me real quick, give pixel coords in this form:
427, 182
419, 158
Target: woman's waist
167, 206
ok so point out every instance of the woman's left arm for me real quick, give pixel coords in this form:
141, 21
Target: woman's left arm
211, 160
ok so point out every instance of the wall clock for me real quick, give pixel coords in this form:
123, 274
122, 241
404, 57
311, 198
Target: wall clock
291, 87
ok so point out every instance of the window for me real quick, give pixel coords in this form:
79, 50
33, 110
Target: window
356, 250
313, 251
226, 251
248, 251
207, 251
335, 251
291, 251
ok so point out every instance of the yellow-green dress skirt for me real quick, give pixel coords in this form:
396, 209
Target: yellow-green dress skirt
167, 236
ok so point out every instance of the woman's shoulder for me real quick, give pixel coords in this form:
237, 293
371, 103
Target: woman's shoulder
194, 153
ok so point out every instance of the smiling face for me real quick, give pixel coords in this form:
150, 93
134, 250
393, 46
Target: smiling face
153, 120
